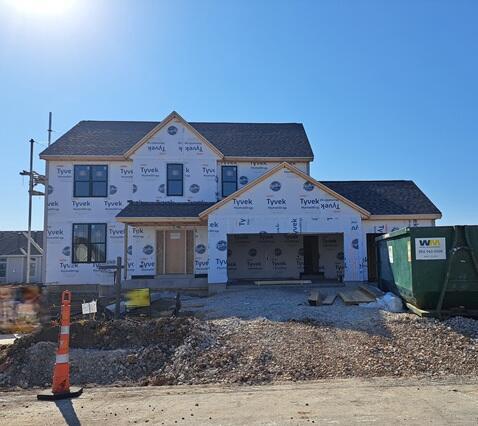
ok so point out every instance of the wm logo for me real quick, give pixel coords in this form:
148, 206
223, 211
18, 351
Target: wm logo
429, 243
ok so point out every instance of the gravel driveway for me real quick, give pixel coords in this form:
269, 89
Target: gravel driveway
285, 304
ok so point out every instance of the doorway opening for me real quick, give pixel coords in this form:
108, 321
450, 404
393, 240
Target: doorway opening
372, 257
324, 257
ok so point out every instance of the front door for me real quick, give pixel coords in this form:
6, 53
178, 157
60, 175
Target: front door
175, 252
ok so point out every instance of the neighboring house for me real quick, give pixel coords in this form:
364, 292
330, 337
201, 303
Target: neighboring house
226, 201
13, 257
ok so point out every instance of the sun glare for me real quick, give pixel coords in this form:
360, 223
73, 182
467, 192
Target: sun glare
41, 7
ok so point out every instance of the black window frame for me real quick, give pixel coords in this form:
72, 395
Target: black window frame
230, 181
4, 261
89, 243
90, 181
174, 180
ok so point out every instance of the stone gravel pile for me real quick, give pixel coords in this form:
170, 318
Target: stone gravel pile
188, 350
262, 351
111, 352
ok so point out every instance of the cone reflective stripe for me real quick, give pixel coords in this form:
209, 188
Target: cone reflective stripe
61, 359
61, 373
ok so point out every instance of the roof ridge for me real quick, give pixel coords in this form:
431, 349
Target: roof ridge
199, 122
119, 121
370, 180
247, 122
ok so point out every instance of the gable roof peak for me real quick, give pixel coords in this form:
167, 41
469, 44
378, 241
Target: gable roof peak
285, 165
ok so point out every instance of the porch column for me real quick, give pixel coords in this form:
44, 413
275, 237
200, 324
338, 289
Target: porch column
125, 252
354, 257
217, 251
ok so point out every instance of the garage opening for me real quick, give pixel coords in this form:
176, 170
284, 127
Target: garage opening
285, 256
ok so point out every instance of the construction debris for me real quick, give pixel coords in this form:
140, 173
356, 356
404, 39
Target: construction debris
356, 296
388, 302
192, 351
315, 298
371, 290
281, 282
329, 299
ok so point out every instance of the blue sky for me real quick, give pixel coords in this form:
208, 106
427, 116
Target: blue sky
386, 90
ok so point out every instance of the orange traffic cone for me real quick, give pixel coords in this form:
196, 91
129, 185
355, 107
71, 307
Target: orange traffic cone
61, 373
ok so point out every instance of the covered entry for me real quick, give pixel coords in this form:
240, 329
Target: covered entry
175, 252
285, 256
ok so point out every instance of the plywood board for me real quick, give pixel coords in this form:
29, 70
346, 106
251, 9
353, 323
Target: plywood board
354, 297
329, 299
314, 298
279, 282
371, 290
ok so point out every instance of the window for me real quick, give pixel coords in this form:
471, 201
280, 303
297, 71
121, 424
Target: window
91, 181
229, 180
33, 267
89, 243
175, 179
3, 267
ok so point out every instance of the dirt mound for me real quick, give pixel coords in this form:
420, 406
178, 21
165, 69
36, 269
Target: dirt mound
192, 351
112, 352
129, 333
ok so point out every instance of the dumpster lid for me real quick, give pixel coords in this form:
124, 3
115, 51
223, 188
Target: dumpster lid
393, 234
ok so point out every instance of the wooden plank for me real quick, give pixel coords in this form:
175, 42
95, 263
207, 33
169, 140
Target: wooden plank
371, 290
354, 297
329, 299
278, 282
314, 298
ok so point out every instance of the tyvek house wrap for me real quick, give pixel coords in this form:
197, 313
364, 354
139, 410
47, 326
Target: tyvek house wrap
174, 143
64, 210
285, 203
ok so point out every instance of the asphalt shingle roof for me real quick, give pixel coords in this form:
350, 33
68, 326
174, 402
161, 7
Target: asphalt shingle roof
384, 197
98, 138
392, 197
163, 209
12, 241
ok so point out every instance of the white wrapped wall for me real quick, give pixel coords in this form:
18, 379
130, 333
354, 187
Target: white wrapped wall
200, 251
174, 143
63, 210
247, 171
143, 178
285, 204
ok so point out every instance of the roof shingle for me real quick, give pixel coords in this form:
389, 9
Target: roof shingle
104, 138
12, 243
163, 209
385, 197
393, 197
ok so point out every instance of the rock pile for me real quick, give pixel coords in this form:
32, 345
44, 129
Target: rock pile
193, 351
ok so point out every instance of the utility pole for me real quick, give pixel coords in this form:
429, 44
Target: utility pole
30, 198
49, 128
34, 179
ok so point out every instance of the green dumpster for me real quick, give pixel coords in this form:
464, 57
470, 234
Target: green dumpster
434, 269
